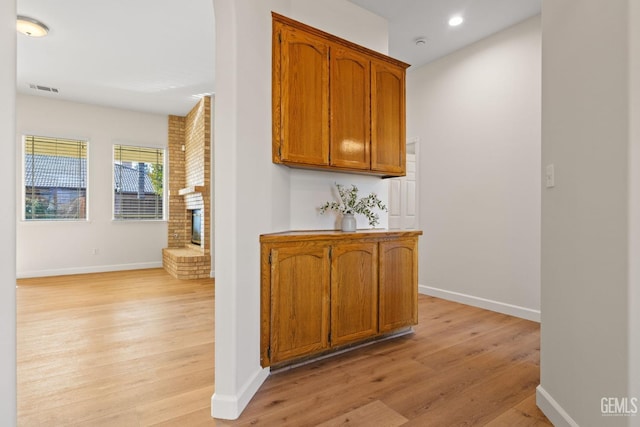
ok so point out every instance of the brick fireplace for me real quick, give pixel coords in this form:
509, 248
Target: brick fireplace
189, 185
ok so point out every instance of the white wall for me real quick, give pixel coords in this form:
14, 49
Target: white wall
344, 19
634, 202
589, 242
7, 215
477, 115
252, 195
310, 189
52, 248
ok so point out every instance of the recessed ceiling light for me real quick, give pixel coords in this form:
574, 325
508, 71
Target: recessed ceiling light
31, 27
456, 20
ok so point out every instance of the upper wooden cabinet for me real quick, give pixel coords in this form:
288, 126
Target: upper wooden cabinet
387, 118
336, 105
350, 143
301, 78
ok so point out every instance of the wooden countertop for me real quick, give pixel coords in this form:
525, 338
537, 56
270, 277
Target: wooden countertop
308, 235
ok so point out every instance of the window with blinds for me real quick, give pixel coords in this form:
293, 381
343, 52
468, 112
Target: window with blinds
138, 183
55, 178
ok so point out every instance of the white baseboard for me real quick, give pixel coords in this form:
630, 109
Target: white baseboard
229, 407
500, 307
86, 270
552, 410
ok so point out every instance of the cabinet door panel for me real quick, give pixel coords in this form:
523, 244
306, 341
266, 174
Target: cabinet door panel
398, 284
299, 301
302, 88
387, 119
350, 111
354, 292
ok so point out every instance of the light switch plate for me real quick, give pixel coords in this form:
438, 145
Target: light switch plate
550, 176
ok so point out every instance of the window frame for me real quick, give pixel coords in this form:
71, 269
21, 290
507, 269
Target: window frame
23, 214
113, 182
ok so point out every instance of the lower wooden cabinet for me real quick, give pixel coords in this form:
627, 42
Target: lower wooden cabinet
398, 266
354, 292
299, 300
322, 290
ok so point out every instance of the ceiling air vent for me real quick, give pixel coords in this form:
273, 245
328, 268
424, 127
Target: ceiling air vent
43, 88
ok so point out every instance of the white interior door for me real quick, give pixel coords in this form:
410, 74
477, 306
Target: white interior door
403, 194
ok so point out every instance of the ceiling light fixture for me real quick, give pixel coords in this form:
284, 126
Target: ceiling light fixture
456, 20
31, 27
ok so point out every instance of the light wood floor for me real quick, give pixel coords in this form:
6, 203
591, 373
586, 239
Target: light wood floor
136, 349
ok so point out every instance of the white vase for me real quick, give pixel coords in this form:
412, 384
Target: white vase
348, 222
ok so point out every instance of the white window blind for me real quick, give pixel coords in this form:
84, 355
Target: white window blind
138, 183
55, 178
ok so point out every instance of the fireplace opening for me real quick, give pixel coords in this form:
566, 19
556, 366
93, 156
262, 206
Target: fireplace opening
196, 227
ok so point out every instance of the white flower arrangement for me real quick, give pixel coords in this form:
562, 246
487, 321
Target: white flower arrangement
350, 204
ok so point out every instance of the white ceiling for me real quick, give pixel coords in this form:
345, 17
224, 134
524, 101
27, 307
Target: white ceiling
147, 55
428, 19
158, 55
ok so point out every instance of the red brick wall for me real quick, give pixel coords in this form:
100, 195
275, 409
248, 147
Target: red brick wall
189, 166
178, 221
